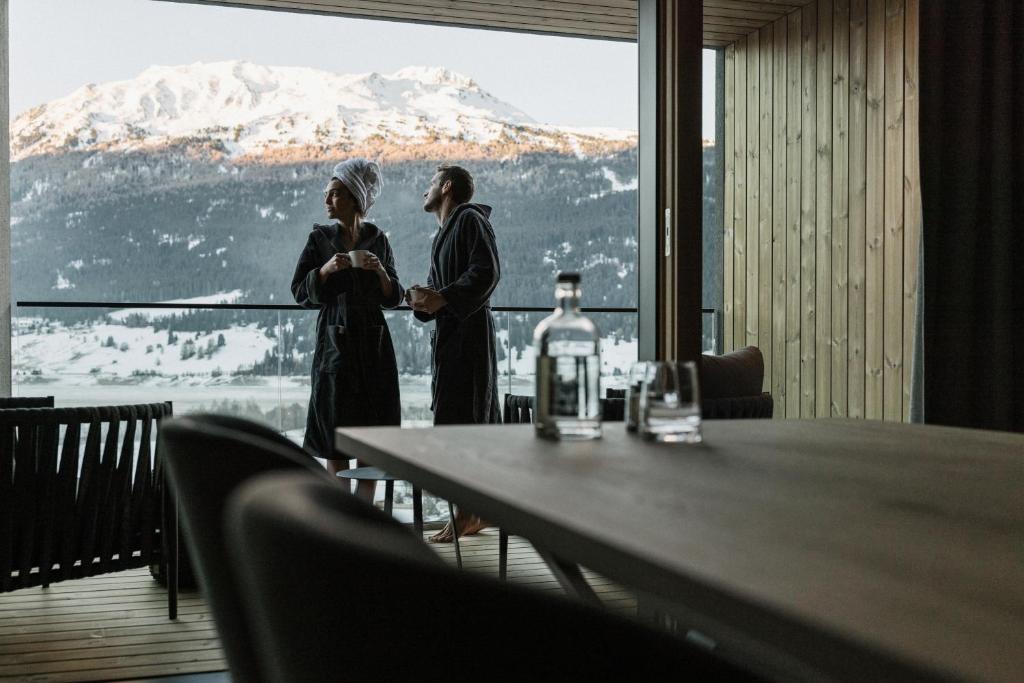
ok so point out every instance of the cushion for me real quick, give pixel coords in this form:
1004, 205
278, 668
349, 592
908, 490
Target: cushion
738, 373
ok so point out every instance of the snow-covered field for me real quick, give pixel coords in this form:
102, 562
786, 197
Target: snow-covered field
108, 363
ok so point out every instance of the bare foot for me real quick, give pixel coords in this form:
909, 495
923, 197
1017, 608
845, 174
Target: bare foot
442, 536
468, 524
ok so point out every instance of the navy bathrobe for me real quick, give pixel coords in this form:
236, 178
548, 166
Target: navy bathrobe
464, 268
354, 376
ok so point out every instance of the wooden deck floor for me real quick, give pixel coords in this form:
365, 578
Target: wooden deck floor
115, 627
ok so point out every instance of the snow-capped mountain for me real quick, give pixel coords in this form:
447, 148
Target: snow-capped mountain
240, 109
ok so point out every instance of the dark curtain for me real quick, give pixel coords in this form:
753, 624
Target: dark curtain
972, 187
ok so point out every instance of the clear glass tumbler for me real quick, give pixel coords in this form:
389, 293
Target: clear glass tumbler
670, 403
632, 408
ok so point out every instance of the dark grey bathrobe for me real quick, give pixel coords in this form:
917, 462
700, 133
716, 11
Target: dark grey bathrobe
354, 376
464, 268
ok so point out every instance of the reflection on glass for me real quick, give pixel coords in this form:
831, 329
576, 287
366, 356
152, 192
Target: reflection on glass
251, 363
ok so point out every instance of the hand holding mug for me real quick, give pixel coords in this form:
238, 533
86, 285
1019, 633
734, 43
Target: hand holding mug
371, 262
426, 300
335, 264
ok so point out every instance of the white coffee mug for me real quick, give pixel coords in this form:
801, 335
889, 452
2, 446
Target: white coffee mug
358, 257
416, 295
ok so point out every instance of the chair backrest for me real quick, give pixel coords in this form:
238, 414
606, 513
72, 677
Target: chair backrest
613, 409
240, 424
7, 402
206, 461
731, 385
79, 493
357, 577
518, 409
739, 407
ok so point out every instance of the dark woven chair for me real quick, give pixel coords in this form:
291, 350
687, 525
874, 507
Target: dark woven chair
206, 461
731, 386
518, 409
80, 492
8, 402
293, 540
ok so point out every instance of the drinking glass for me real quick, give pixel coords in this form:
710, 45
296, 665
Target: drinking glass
632, 407
670, 403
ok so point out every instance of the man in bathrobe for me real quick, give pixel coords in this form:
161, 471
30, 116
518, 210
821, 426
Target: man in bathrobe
464, 270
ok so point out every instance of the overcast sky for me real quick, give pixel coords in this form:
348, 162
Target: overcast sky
59, 45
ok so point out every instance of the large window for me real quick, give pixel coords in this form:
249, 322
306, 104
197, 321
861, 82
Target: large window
177, 152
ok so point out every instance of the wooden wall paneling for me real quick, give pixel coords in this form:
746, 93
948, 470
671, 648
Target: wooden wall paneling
718, 40
823, 215
753, 184
794, 176
840, 202
729, 191
740, 218
454, 13
874, 284
858, 204
764, 213
826, 205
892, 401
777, 378
808, 214
911, 195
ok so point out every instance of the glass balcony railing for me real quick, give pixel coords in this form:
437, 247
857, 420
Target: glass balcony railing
254, 360
247, 360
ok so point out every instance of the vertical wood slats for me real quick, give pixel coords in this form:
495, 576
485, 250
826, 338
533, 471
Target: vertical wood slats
794, 128
823, 205
892, 385
764, 221
777, 377
739, 312
856, 315
823, 213
78, 513
808, 213
753, 185
838, 405
874, 282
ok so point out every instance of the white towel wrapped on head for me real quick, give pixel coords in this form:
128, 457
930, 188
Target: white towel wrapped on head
362, 178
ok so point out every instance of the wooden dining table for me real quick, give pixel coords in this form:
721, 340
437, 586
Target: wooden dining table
806, 549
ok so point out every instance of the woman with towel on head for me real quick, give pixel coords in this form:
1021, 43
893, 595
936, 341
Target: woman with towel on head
347, 271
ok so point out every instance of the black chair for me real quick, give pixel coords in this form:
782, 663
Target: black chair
207, 457
731, 386
8, 402
613, 408
518, 409
79, 492
181, 560
294, 539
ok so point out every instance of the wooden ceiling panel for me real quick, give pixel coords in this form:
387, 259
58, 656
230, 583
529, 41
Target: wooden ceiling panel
725, 21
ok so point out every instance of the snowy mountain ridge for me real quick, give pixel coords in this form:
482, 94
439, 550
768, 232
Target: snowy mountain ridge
242, 110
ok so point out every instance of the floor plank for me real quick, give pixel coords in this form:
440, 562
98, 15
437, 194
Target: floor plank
115, 626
